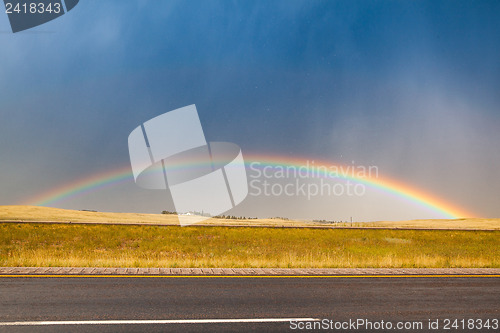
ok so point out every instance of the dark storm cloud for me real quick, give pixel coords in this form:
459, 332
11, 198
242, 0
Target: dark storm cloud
410, 86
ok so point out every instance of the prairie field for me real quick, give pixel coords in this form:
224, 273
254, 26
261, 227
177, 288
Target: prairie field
48, 214
100, 239
103, 245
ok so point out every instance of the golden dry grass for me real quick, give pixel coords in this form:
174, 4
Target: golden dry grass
98, 245
48, 214
466, 223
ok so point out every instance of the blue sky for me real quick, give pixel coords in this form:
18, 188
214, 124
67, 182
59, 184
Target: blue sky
409, 86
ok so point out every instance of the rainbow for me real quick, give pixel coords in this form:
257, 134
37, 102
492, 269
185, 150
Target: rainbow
386, 185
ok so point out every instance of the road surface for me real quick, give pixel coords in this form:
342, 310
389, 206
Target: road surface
110, 304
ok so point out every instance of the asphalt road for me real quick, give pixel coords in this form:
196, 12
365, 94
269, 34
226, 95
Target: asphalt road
339, 299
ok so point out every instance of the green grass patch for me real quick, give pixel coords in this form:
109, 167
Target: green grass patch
32, 244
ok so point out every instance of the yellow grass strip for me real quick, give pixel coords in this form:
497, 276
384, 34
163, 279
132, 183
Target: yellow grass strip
88, 245
48, 214
251, 276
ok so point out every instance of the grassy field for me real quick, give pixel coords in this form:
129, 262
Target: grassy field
37, 214
45, 214
468, 223
98, 245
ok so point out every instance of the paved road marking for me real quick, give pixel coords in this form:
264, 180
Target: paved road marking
150, 322
249, 276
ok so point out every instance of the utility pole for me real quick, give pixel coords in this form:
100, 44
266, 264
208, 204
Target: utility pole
351, 221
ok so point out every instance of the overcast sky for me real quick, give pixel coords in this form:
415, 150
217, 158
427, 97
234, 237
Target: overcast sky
412, 87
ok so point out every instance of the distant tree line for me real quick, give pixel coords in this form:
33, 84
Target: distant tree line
227, 217
327, 221
232, 217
